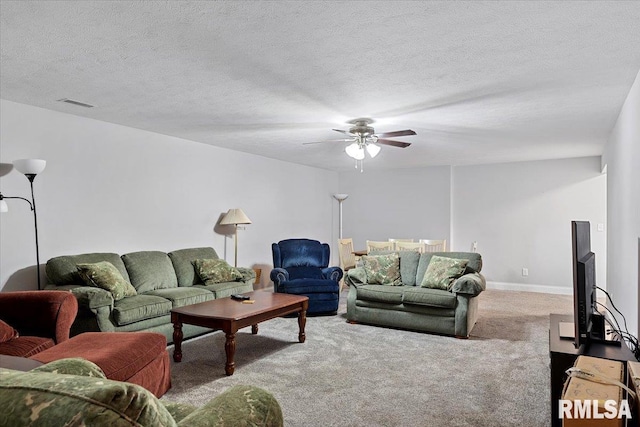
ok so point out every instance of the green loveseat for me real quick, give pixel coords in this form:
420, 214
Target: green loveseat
75, 392
162, 281
410, 306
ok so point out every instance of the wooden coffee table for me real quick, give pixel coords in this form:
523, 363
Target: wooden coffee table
231, 315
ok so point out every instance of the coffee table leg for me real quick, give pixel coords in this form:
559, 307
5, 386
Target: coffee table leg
302, 321
177, 341
254, 329
230, 349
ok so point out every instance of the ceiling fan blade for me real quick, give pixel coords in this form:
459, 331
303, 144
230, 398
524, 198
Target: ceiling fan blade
327, 140
393, 143
346, 132
396, 133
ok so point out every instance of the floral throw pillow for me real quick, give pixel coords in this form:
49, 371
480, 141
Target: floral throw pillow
382, 269
442, 271
216, 271
106, 276
7, 332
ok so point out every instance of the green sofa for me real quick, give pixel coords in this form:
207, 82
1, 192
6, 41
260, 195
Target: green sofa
409, 306
162, 281
75, 392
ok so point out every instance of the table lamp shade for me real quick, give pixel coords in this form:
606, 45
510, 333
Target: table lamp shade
234, 217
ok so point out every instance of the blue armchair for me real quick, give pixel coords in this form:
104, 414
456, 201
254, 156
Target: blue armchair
301, 267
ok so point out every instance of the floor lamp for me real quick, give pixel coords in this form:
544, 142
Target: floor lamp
235, 217
340, 198
30, 168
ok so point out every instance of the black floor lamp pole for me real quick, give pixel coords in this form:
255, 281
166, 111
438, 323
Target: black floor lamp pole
31, 177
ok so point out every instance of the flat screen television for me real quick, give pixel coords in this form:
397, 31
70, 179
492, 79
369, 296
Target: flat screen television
588, 323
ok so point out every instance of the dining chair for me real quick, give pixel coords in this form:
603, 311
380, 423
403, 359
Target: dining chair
400, 240
373, 245
434, 245
347, 257
409, 246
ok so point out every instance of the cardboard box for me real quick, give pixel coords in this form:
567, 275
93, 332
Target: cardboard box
634, 383
586, 402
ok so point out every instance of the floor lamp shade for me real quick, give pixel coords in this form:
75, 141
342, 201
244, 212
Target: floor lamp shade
340, 197
30, 166
235, 217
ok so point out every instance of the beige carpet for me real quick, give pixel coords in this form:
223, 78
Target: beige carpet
360, 375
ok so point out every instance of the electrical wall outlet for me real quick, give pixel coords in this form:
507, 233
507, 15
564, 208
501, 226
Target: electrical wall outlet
600, 227
525, 271
474, 247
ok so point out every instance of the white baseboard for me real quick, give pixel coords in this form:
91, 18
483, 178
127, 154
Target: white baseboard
530, 287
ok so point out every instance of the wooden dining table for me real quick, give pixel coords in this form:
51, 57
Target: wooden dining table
360, 253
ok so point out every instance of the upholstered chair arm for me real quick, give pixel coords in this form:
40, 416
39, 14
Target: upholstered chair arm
47, 314
248, 275
469, 284
355, 277
332, 273
279, 275
239, 405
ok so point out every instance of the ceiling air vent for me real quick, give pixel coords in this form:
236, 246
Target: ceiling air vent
78, 103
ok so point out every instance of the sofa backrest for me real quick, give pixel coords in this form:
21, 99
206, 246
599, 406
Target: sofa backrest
475, 261
150, 270
182, 260
300, 253
62, 270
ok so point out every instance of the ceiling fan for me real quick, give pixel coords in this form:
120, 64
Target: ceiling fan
364, 138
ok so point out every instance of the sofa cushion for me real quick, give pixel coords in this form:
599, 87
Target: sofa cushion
257, 407
216, 271
139, 307
183, 296
44, 398
6, 332
106, 276
62, 270
429, 297
182, 260
149, 270
382, 269
25, 346
225, 289
442, 271
408, 265
474, 264
304, 273
309, 286
380, 293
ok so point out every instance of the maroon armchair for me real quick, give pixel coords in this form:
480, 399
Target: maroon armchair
42, 319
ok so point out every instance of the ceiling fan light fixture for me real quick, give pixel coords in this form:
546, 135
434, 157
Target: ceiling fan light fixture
373, 149
355, 151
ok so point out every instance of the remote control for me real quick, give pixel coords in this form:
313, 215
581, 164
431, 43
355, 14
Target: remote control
240, 297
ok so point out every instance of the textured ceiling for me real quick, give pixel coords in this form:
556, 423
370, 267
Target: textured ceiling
478, 81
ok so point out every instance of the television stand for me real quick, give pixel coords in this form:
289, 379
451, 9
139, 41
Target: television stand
566, 331
563, 355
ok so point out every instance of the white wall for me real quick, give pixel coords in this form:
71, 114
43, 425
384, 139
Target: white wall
520, 215
112, 188
622, 158
400, 203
